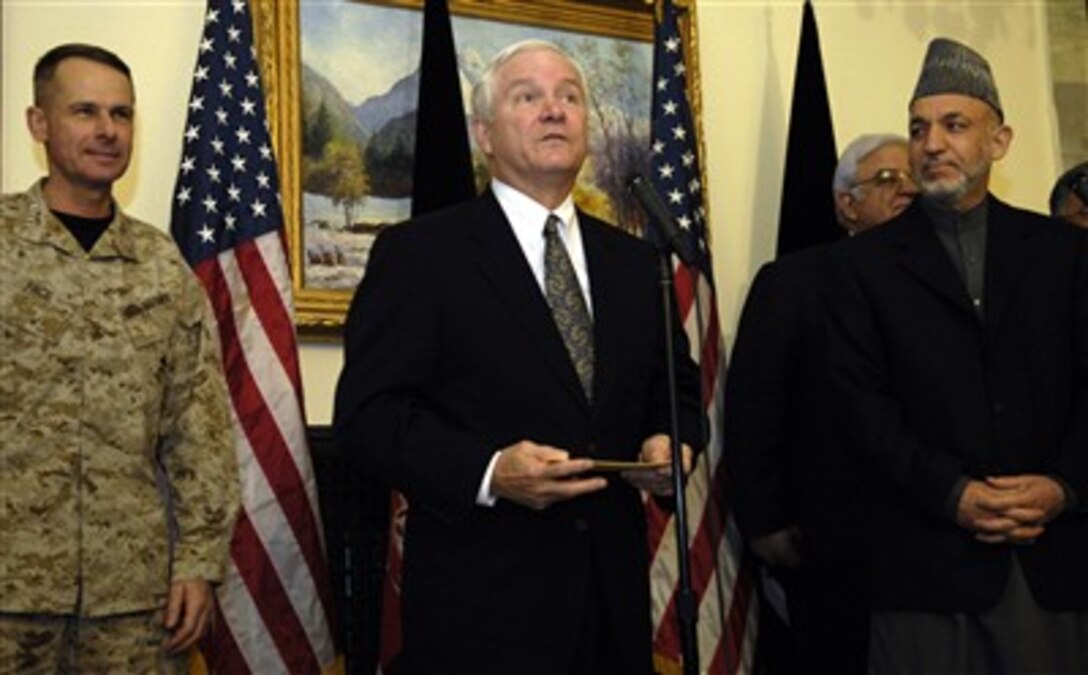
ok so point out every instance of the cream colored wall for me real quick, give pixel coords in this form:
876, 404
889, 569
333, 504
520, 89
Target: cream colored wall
871, 51
157, 39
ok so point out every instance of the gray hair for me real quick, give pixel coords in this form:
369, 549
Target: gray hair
483, 92
846, 173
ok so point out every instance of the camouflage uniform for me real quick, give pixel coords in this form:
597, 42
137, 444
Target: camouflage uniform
126, 643
118, 473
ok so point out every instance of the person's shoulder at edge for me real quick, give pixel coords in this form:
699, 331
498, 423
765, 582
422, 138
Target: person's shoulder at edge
150, 243
910, 217
809, 258
801, 273
14, 207
872, 247
14, 200
1042, 221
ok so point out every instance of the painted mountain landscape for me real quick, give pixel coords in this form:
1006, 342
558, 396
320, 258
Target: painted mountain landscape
360, 81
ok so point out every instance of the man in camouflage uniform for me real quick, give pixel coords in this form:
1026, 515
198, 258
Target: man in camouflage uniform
117, 475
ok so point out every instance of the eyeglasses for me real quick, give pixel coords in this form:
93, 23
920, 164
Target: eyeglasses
886, 178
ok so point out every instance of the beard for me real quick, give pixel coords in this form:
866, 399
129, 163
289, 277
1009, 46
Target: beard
949, 191
945, 191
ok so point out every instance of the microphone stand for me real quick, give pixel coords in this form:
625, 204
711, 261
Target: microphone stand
673, 239
685, 599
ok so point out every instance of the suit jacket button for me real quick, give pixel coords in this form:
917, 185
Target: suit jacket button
581, 525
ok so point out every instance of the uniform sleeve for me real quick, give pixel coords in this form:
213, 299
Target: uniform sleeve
197, 446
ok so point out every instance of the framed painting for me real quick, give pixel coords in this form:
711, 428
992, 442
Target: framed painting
341, 80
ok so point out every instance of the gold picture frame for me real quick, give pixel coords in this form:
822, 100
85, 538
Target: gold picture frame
321, 311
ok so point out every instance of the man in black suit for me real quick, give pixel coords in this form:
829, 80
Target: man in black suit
792, 481
960, 348
494, 352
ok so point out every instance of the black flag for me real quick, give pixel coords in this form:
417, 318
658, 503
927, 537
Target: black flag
442, 174
807, 214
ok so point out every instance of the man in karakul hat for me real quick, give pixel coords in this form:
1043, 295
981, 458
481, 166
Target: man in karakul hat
960, 351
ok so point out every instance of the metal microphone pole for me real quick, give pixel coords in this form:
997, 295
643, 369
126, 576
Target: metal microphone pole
685, 600
673, 239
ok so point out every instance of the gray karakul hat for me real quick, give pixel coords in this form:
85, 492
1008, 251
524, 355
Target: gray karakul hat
954, 68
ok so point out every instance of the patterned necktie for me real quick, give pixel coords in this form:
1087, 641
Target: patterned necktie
568, 305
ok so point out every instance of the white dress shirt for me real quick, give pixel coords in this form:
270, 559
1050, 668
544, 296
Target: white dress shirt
527, 217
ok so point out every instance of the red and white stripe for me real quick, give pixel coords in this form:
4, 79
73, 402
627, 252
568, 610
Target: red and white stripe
275, 607
391, 636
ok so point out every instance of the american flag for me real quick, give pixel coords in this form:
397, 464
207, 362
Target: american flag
275, 608
721, 580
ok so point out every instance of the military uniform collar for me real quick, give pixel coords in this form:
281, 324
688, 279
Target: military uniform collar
43, 227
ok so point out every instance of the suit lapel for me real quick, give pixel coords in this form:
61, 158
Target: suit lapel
500, 259
1007, 258
920, 252
604, 286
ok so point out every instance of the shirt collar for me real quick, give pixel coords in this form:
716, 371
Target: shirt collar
955, 222
526, 213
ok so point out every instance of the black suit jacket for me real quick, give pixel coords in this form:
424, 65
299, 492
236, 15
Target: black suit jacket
779, 432
451, 353
934, 394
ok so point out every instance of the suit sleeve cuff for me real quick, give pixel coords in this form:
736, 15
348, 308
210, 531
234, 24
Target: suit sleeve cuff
952, 506
1072, 503
484, 496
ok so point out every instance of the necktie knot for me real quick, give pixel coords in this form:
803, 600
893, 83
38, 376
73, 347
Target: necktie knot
551, 226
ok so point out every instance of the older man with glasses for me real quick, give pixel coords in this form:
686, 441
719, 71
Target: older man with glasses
794, 486
873, 183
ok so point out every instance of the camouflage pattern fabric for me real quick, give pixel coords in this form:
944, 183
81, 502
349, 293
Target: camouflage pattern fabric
117, 468
33, 644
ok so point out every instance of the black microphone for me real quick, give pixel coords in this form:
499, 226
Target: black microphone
674, 236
